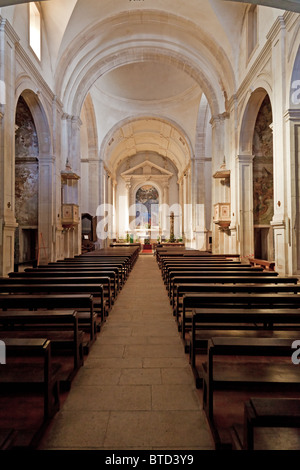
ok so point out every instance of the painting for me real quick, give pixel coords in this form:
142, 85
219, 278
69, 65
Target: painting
263, 166
147, 207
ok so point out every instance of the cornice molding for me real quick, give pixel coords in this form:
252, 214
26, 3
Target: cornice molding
28, 66
6, 27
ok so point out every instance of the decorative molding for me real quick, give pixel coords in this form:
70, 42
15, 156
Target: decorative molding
28, 66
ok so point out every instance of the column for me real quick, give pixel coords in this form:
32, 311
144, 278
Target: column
8, 41
280, 218
292, 120
46, 209
219, 191
199, 204
245, 205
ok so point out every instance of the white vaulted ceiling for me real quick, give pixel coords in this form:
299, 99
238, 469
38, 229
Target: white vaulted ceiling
145, 66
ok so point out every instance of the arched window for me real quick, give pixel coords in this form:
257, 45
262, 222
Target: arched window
35, 29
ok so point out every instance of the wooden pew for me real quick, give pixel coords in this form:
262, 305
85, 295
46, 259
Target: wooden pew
96, 290
238, 301
123, 261
216, 289
67, 278
69, 271
60, 327
83, 303
239, 322
268, 412
198, 268
119, 268
277, 377
166, 266
215, 274
259, 279
28, 372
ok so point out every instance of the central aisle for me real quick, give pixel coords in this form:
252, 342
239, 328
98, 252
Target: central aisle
136, 390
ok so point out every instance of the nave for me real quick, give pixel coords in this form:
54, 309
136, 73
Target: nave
136, 390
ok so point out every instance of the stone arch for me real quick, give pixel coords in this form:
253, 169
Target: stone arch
253, 103
88, 117
26, 184
86, 78
47, 193
81, 66
180, 158
38, 109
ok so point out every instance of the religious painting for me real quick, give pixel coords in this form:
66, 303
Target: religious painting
263, 166
147, 207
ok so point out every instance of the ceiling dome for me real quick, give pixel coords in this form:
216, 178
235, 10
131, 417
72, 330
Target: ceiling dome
146, 81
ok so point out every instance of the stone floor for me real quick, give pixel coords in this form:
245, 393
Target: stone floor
136, 390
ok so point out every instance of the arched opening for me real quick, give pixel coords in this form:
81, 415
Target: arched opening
26, 185
263, 202
255, 180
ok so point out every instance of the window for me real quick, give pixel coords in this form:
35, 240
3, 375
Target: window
35, 29
252, 29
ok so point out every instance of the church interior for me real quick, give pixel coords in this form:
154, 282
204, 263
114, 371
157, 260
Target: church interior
150, 225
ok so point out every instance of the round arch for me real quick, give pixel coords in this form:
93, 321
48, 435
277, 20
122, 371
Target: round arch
113, 151
82, 66
38, 110
253, 101
48, 193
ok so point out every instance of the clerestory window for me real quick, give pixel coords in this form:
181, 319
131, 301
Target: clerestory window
35, 29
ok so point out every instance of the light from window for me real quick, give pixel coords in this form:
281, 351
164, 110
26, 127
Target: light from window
35, 29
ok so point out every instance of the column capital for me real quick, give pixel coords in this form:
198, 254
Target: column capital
245, 158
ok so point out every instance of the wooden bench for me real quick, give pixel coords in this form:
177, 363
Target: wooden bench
83, 303
247, 323
78, 272
96, 290
268, 413
275, 377
238, 301
60, 327
166, 267
211, 274
259, 279
120, 269
108, 281
23, 372
271, 412
233, 289
200, 268
267, 265
124, 261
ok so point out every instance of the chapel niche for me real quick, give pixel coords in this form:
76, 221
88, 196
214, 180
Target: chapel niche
26, 184
263, 201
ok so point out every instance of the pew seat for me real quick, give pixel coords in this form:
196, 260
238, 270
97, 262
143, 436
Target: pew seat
29, 368
254, 365
61, 327
275, 416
